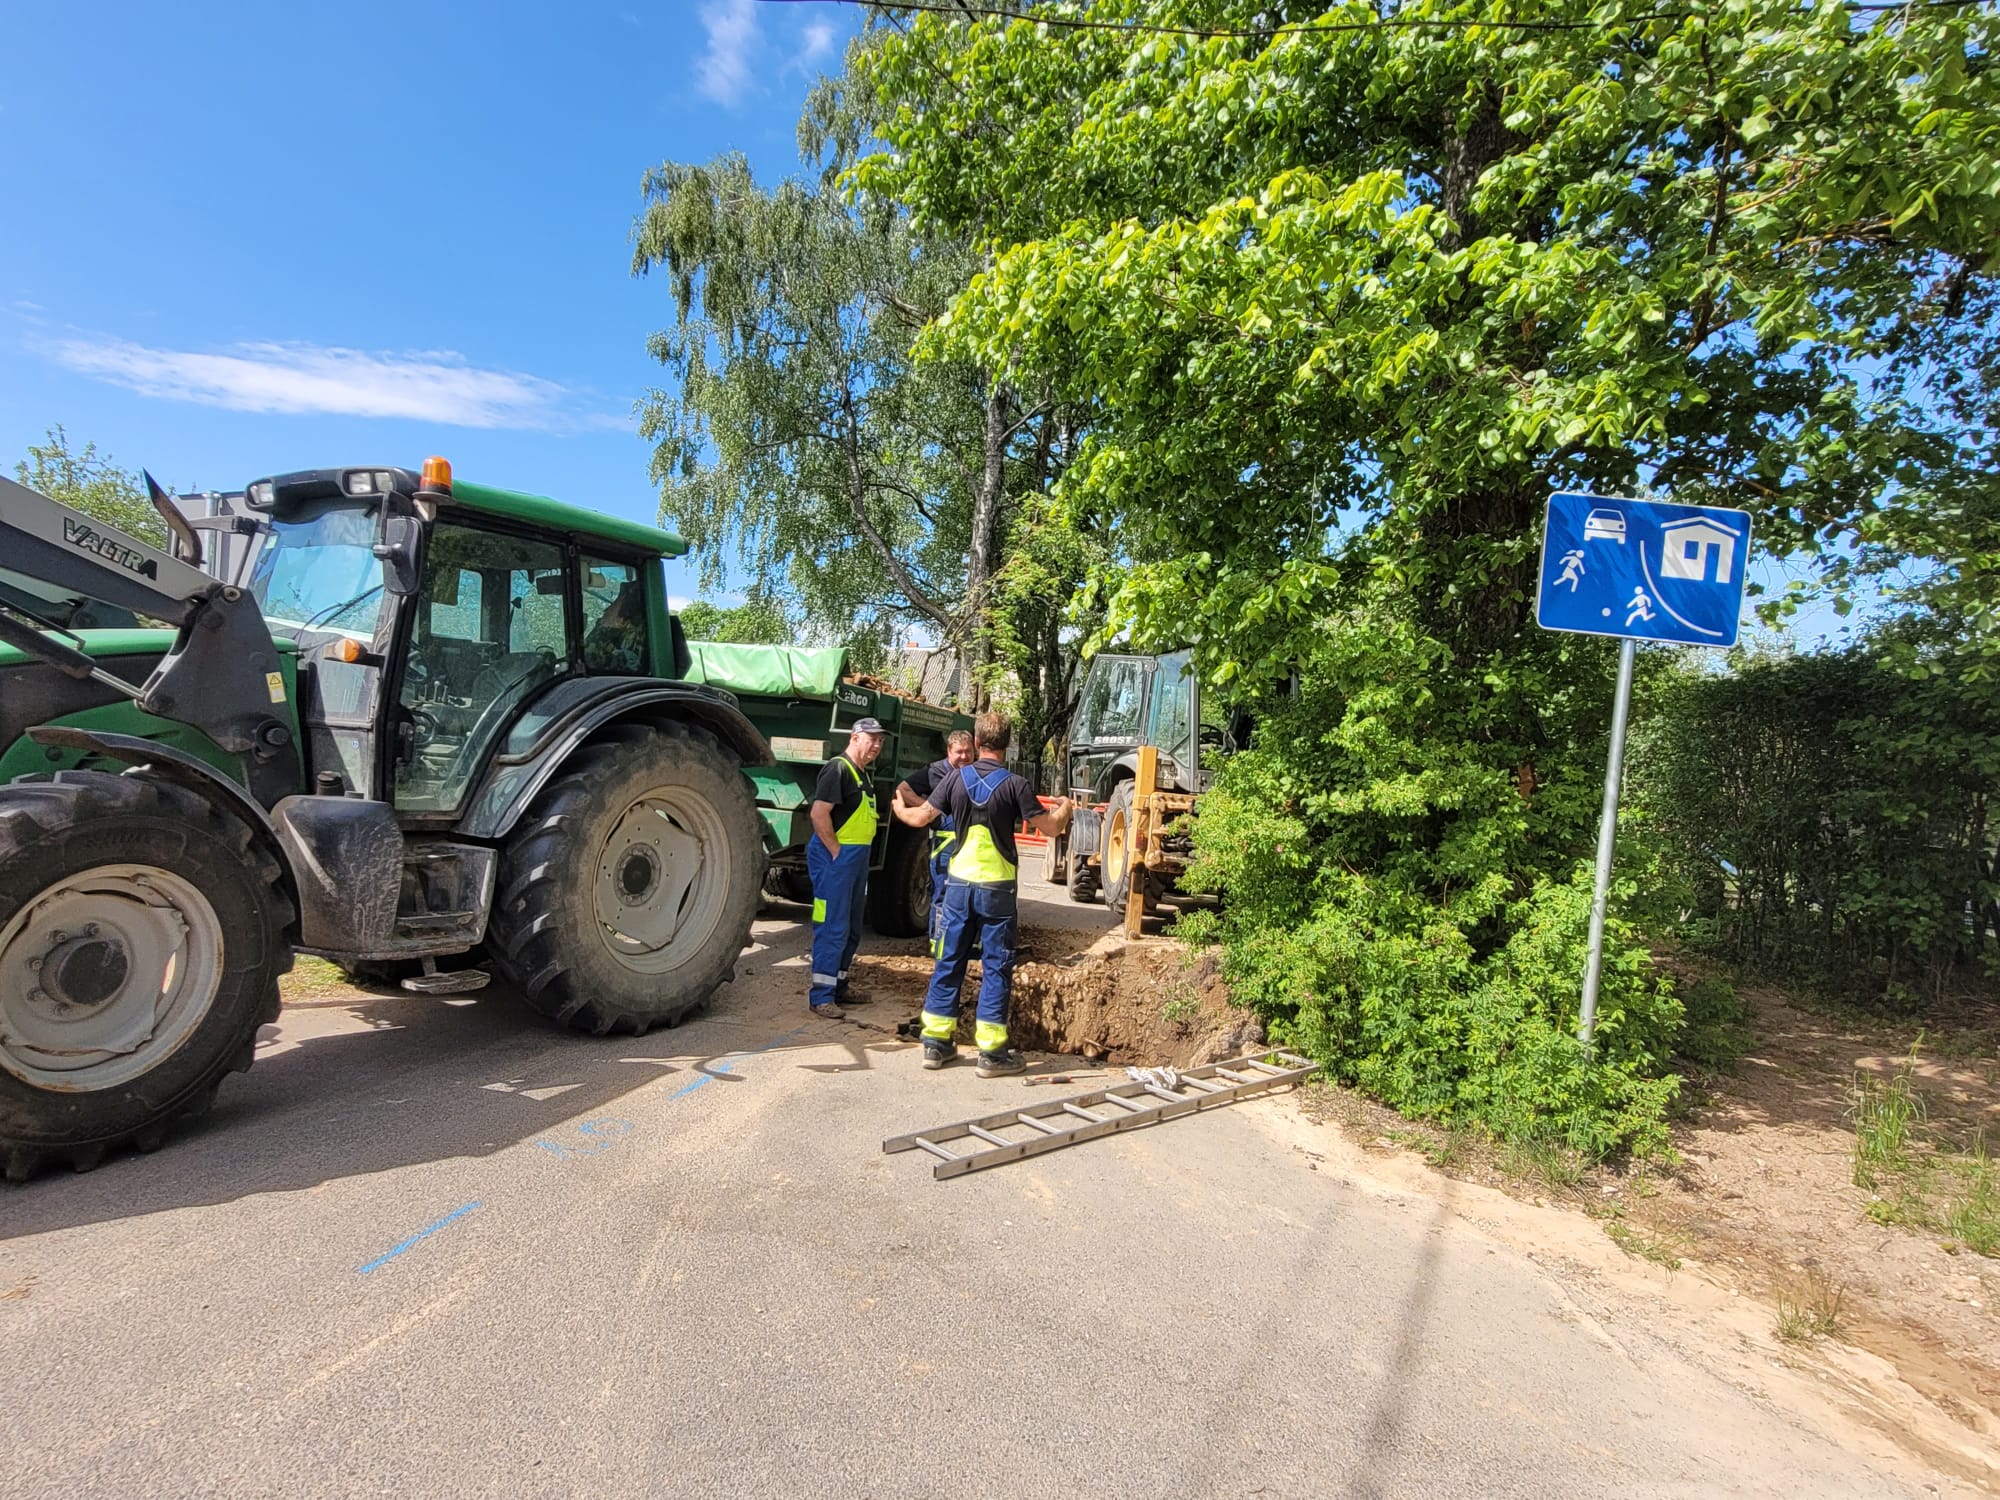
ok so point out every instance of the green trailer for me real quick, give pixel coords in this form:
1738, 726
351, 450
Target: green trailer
800, 702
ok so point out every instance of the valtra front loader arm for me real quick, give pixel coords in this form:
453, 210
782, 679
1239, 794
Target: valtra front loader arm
222, 674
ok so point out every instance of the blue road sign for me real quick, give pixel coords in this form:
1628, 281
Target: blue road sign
1643, 570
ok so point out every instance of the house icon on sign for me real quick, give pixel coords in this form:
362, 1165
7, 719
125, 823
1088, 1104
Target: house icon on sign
1685, 547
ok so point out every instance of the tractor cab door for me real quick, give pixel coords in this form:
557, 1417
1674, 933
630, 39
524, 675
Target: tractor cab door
1172, 722
491, 627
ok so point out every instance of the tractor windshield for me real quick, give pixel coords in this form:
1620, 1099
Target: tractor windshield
320, 573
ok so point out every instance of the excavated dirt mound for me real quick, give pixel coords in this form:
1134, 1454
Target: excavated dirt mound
1148, 1003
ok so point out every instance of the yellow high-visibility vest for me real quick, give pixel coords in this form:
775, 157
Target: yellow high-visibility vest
860, 825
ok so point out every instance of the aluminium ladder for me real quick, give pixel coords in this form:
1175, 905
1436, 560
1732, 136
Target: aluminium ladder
1055, 1123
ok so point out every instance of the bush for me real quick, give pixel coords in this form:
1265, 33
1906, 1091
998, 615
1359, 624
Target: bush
1410, 907
1827, 816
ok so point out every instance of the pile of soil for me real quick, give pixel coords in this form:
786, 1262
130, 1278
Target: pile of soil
1148, 1003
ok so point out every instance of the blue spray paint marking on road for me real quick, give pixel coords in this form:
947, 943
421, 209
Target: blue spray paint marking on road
729, 1063
598, 1133
417, 1238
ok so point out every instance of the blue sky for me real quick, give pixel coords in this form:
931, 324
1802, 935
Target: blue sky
248, 238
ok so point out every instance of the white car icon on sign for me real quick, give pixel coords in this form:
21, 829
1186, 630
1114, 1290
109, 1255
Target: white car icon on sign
1605, 525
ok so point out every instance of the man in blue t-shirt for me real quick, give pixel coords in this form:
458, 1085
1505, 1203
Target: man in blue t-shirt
986, 802
911, 793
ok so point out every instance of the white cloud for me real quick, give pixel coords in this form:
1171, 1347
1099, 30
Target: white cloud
424, 386
816, 43
722, 73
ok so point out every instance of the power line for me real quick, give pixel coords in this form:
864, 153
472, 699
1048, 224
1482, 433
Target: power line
1378, 23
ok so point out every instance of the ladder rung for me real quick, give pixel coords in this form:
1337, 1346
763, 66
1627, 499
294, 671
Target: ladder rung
1066, 1122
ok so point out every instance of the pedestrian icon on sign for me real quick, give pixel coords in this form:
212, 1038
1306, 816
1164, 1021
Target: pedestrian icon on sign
1572, 570
1638, 607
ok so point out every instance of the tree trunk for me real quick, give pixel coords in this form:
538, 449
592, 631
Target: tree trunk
985, 545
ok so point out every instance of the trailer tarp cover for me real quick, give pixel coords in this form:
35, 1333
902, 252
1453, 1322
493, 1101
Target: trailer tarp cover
770, 671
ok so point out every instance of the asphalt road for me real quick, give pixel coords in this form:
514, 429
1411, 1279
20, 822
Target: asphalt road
437, 1248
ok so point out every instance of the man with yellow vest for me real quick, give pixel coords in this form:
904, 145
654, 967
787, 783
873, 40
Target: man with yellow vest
986, 803
843, 820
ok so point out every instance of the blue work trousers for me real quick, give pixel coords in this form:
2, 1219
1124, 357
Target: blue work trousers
984, 916
840, 885
943, 844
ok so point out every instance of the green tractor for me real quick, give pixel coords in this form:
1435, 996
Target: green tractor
409, 723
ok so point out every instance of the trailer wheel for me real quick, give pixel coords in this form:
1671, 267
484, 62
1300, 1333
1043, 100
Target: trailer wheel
899, 898
1116, 859
627, 892
1055, 860
142, 933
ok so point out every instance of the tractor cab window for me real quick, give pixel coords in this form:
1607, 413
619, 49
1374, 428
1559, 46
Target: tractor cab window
491, 629
1114, 706
319, 574
614, 619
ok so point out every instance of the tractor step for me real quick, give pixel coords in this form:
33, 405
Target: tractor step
457, 982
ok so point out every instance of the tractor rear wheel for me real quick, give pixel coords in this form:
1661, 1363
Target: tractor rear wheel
627, 892
142, 933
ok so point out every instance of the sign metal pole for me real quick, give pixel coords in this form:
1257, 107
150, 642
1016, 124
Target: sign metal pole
1607, 837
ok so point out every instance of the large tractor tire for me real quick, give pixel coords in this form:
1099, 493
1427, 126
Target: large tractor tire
899, 894
1116, 858
142, 933
627, 892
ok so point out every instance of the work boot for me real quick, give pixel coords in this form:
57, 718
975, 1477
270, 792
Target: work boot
852, 997
1000, 1062
937, 1053
829, 1012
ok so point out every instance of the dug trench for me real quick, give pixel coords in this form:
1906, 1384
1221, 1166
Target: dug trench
1147, 1003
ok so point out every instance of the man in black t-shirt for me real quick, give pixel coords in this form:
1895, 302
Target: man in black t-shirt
986, 803
911, 793
843, 820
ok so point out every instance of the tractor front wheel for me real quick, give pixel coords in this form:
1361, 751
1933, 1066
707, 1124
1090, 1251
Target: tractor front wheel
627, 892
142, 933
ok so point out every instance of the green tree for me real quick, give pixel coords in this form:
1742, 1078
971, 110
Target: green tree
758, 621
1349, 289
87, 481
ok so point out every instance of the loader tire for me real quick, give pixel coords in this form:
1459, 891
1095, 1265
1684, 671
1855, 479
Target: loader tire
1115, 861
143, 929
627, 891
1055, 859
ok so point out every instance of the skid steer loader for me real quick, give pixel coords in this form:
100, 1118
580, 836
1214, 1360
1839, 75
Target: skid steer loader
412, 726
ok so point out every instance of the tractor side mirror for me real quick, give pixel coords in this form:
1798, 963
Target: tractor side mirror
399, 545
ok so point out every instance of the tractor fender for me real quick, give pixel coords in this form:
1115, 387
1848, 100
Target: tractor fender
575, 710
166, 762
